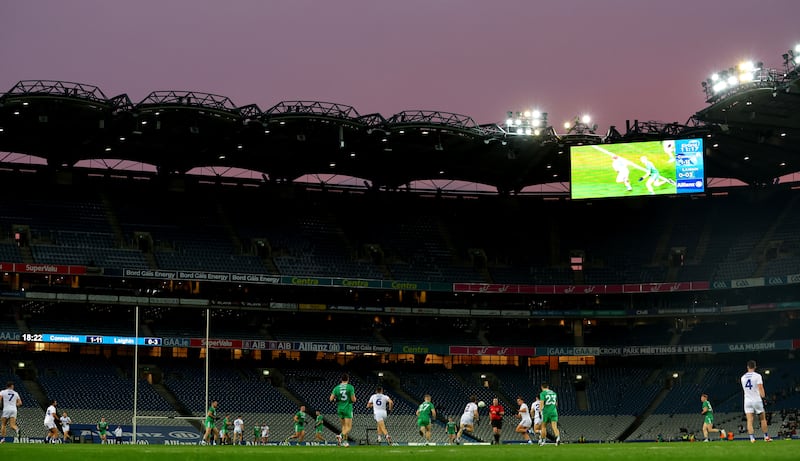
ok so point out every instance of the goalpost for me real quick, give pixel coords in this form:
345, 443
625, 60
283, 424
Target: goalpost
136, 416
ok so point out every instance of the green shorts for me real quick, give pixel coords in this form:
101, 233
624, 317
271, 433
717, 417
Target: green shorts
299, 427
423, 422
549, 417
345, 413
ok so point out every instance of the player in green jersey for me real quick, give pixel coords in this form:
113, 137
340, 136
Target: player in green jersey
344, 394
426, 413
256, 434
224, 435
708, 419
102, 429
210, 424
319, 426
549, 401
450, 428
299, 425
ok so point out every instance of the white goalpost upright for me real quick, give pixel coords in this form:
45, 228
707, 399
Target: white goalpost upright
136, 416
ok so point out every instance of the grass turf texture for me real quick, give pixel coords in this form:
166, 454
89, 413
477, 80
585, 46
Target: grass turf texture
722, 451
593, 176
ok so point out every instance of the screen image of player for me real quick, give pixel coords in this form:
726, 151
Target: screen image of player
665, 167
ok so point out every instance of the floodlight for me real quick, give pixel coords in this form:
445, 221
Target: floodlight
578, 377
536, 132
509, 122
733, 80
536, 114
21, 365
519, 130
380, 374
527, 114
518, 122
586, 119
746, 66
528, 131
797, 48
675, 375
714, 77
719, 86
567, 125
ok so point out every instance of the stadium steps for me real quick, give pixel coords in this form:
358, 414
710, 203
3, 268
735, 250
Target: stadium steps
227, 226
167, 395
27, 254
761, 247
113, 221
37, 392
644, 415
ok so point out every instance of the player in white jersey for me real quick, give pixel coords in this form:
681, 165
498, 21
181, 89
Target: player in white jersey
238, 430
65, 422
620, 165
468, 418
264, 434
754, 394
525, 423
536, 413
50, 418
11, 400
381, 405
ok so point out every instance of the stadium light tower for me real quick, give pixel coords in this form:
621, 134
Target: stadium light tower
525, 123
791, 59
724, 82
580, 125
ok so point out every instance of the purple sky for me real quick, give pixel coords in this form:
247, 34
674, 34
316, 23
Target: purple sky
613, 59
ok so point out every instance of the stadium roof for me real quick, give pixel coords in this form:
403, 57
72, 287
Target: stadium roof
752, 135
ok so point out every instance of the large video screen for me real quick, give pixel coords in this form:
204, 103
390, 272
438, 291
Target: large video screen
673, 166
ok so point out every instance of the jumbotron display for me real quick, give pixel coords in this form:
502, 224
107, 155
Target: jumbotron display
672, 166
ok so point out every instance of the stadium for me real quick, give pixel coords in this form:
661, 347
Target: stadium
160, 255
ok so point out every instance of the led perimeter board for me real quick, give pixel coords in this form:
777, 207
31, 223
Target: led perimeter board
672, 166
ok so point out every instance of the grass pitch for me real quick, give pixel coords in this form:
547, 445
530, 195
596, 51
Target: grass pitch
684, 451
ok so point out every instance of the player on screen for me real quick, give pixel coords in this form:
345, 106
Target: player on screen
620, 165
754, 394
468, 418
652, 175
381, 404
669, 149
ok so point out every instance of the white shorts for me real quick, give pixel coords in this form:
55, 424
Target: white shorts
380, 416
467, 419
537, 421
622, 176
526, 423
237, 431
65, 428
754, 406
10, 411
50, 425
